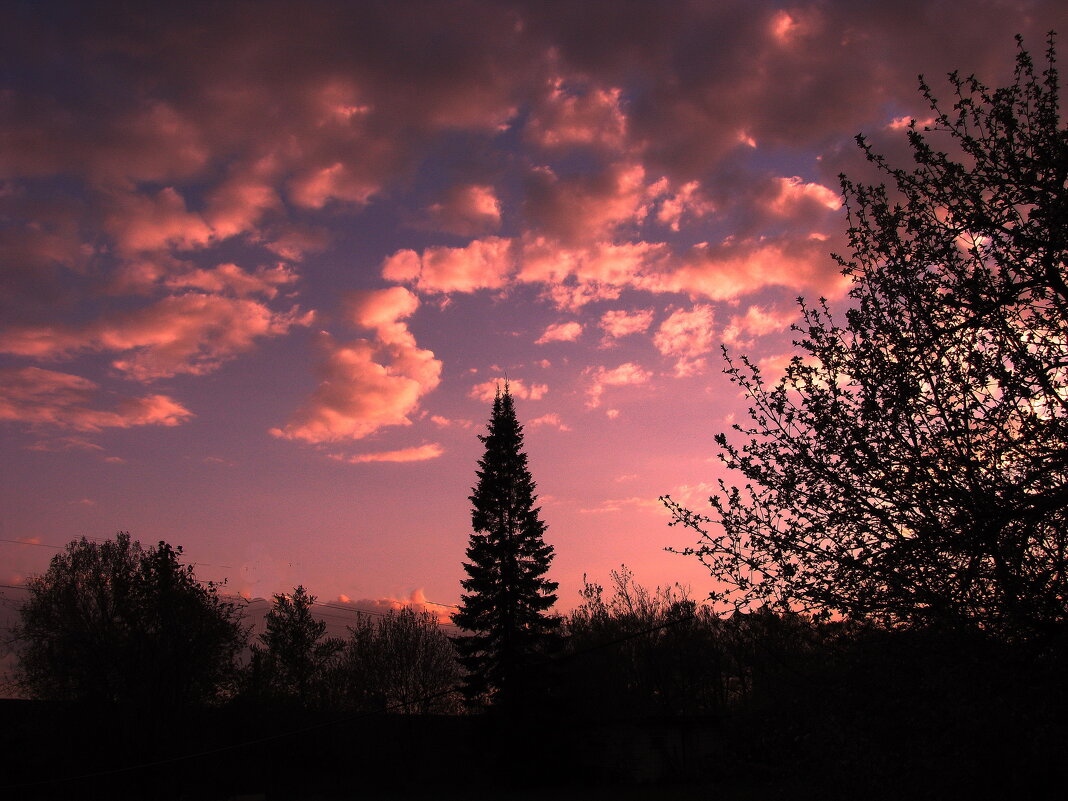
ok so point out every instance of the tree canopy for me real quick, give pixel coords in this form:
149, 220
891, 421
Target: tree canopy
911, 465
113, 623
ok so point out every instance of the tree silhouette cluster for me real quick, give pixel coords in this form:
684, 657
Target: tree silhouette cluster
911, 467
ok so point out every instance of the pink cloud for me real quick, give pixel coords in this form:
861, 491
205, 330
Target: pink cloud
732, 268
686, 202
560, 332
239, 203
574, 277
552, 419
190, 333
420, 453
45, 397
757, 321
483, 264
686, 335
487, 390
368, 385
313, 188
632, 504
466, 210
382, 310
794, 192
59, 444
416, 600
620, 323
231, 278
153, 222
446, 422
567, 117
587, 207
625, 374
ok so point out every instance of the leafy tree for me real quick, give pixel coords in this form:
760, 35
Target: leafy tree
114, 623
402, 663
294, 658
507, 595
911, 467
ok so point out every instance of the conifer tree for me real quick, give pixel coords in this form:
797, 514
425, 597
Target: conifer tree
507, 595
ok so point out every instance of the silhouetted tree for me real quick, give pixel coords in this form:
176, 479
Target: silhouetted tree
402, 663
912, 465
295, 657
635, 651
113, 623
506, 594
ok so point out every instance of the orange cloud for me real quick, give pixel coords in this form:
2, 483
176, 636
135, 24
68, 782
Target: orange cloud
46, 397
560, 332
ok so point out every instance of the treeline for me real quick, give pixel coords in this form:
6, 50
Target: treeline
638, 685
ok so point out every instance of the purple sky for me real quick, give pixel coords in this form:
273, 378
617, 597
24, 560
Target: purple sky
261, 268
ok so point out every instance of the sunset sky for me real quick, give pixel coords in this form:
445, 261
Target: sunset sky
262, 265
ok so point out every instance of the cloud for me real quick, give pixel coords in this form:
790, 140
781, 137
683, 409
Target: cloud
487, 390
154, 222
687, 335
632, 504
620, 323
46, 397
230, 278
734, 268
61, 444
364, 386
686, 202
570, 116
446, 422
560, 332
757, 321
625, 374
482, 264
190, 333
466, 210
420, 453
416, 600
383, 310
588, 207
795, 194
551, 419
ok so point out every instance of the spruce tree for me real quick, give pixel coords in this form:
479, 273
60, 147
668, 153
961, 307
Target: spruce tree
507, 596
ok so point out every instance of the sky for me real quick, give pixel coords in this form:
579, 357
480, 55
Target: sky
263, 265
